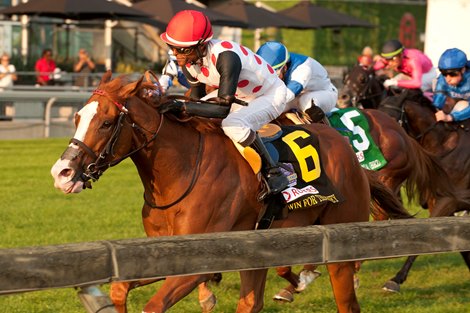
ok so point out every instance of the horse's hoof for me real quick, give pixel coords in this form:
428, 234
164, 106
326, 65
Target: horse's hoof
284, 296
391, 286
356, 282
306, 277
208, 304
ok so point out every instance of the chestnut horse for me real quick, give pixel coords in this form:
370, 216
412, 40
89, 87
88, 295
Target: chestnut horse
449, 143
195, 181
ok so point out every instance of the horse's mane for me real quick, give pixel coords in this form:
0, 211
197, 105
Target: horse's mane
122, 87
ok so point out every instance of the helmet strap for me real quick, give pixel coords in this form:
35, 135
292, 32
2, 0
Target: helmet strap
201, 51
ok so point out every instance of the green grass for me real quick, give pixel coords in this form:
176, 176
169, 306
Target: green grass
33, 213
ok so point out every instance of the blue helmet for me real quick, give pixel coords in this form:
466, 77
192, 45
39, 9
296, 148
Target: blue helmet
275, 53
452, 59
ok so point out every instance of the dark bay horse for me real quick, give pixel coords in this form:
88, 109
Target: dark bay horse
195, 181
449, 143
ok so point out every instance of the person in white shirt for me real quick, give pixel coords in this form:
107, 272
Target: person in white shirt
7, 72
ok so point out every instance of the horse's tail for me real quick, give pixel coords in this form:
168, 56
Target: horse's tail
385, 204
433, 184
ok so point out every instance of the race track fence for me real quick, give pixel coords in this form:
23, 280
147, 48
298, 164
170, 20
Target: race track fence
92, 263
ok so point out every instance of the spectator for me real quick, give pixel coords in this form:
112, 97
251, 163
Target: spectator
45, 68
7, 72
83, 68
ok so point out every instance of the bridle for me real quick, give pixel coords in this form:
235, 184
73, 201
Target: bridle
366, 92
95, 169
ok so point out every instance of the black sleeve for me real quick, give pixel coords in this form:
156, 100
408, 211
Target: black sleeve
198, 90
229, 67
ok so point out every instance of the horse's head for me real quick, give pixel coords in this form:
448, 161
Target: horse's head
104, 134
360, 88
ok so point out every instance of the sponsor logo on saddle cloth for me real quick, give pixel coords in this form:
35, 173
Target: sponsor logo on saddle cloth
298, 152
353, 125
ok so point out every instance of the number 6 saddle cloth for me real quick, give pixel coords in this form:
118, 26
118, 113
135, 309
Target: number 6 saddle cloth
298, 152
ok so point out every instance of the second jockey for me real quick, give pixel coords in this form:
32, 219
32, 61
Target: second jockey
309, 88
235, 71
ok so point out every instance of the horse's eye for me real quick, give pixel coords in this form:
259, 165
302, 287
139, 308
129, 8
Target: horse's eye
106, 124
362, 79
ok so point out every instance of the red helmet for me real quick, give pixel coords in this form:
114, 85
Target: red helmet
187, 28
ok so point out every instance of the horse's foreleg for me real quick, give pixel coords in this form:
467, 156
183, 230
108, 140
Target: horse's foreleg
287, 294
207, 299
298, 283
393, 284
173, 290
342, 282
252, 291
119, 291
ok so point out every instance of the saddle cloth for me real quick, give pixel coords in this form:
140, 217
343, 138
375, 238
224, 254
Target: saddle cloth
353, 125
297, 150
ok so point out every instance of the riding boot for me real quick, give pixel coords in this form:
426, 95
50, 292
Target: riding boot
276, 180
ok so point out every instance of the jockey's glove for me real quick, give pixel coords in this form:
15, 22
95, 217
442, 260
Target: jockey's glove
392, 82
172, 106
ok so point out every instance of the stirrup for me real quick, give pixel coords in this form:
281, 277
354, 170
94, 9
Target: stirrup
276, 180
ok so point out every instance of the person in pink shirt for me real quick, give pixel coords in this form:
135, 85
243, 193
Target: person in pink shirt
418, 68
45, 67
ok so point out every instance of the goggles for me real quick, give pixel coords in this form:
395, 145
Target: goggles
451, 73
182, 50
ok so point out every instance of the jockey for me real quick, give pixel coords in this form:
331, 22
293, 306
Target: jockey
170, 71
308, 86
235, 71
453, 86
411, 62
366, 58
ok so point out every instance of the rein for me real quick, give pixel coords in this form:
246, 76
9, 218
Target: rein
96, 169
196, 172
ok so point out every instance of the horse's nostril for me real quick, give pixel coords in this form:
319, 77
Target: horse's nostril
66, 172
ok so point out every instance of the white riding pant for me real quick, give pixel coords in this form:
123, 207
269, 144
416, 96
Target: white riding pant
324, 99
242, 120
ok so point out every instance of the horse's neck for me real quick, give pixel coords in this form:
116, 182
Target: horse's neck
422, 123
180, 154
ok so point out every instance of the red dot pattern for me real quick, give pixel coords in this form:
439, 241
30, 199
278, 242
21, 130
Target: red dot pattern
270, 69
257, 88
205, 71
213, 59
244, 51
243, 83
227, 45
258, 60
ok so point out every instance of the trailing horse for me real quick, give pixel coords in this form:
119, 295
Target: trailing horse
196, 181
448, 143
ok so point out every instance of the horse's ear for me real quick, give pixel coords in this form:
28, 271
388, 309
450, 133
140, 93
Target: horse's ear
132, 88
106, 77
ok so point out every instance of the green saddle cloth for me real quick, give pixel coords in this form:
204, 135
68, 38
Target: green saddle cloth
351, 123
